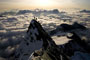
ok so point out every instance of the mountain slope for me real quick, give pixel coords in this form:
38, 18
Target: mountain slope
36, 38
38, 45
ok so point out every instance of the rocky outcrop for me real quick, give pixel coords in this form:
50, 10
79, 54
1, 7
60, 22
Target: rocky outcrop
68, 28
36, 38
31, 42
85, 11
66, 51
74, 45
38, 45
74, 26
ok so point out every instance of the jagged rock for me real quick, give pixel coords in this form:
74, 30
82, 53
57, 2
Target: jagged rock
82, 40
66, 51
38, 45
63, 52
32, 42
78, 26
68, 28
56, 11
85, 11
36, 38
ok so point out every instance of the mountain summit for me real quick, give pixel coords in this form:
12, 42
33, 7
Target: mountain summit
38, 45
35, 39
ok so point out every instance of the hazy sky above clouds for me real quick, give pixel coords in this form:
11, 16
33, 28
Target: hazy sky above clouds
45, 4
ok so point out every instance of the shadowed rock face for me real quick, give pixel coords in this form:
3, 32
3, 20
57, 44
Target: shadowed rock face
36, 38
32, 42
42, 35
38, 45
85, 11
82, 43
63, 52
68, 28
76, 44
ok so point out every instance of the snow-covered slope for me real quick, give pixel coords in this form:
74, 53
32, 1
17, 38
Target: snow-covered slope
39, 45
31, 43
35, 39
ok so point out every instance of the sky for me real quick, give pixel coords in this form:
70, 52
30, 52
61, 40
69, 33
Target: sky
43, 4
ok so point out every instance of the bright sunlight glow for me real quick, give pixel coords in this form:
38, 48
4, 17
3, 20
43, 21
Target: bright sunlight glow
44, 3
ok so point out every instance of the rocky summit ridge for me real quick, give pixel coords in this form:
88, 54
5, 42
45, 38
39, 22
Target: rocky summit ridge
38, 45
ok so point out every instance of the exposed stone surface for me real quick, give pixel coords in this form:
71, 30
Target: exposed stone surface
68, 28
38, 45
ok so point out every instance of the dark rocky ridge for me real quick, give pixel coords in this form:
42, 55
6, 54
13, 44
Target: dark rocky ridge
47, 49
85, 11
68, 28
36, 34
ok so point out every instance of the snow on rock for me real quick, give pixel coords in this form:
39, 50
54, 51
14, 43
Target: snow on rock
31, 43
36, 38
39, 45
